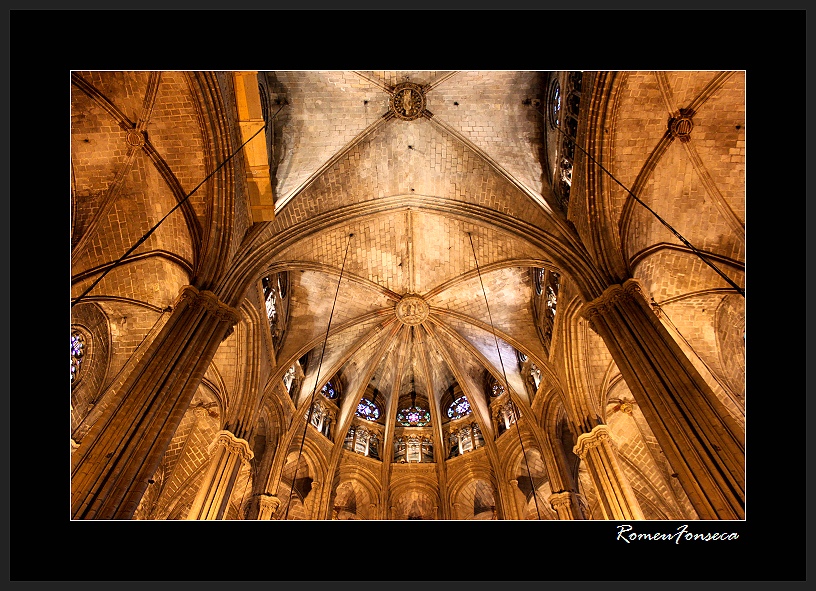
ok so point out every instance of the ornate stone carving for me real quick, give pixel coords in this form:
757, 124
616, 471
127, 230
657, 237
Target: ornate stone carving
560, 499
210, 302
412, 310
268, 504
408, 101
587, 441
232, 444
610, 297
680, 125
135, 138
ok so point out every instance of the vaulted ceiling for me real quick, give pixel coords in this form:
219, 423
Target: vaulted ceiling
426, 188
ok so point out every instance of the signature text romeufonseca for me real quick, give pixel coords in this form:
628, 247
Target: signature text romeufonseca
625, 534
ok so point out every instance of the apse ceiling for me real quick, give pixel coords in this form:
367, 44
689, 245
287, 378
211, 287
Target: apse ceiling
428, 280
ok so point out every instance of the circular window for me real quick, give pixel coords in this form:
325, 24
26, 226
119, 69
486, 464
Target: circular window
413, 416
459, 408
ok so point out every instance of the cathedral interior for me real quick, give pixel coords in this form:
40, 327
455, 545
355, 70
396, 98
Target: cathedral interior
407, 295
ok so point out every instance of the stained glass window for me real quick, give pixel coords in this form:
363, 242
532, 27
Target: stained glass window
329, 391
368, 410
459, 408
498, 389
77, 353
413, 416
555, 104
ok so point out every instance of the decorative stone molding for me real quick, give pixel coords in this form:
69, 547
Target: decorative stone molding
680, 125
408, 101
268, 505
560, 500
210, 302
74, 446
233, 445
587, 441
611, 296
412, 310
135, 138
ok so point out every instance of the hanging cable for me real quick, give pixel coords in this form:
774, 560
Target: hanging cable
317, 378
677, 234
179, 204
516, 413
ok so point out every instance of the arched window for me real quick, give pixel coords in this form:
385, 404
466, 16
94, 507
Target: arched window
539, 280
362, 441
366, 409
459, 408
328, 391
465, 439
77, 354
535, 373
555, 104
289, 379
498, 389
321, 418
414, 415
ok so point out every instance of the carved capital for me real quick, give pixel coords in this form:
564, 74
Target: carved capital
269, 503
611, 297
210, 302
587, 441
560, 499
233, 445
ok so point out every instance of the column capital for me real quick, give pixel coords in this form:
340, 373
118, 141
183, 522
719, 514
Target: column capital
269, 503
560, 499
611, 295
232, 444
586, 441
210, 302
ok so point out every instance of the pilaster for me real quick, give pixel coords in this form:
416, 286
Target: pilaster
228, 454
597, 450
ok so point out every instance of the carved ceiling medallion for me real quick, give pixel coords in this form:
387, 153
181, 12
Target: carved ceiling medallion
412, 310
681, 125
408, 101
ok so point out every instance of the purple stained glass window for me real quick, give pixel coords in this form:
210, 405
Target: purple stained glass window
329, 391
413, 416
77, 353
459, 408
368, 410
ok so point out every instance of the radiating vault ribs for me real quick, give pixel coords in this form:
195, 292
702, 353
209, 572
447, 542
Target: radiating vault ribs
412, 310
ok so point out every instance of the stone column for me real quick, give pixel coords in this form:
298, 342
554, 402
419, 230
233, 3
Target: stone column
124, 447
512, 500
268, 506
228, 454
566, 506
704, 445
617, 499
314, 493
